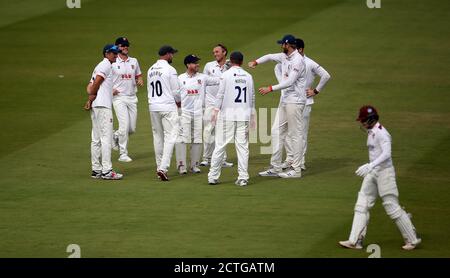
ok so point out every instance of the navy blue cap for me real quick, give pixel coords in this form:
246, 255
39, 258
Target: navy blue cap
123, 41
287, 39
191, 58
166, 49
110, 48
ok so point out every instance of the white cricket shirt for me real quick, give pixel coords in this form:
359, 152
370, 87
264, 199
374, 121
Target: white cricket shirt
293, 74
162, 87
193, 91
379, 145
125, 73
104, 94
213, 69
313, 69
236, 95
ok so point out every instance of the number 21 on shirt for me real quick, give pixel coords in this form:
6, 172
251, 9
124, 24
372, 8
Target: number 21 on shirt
241, 91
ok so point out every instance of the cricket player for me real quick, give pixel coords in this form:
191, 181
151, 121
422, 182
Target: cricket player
99, 102
379, 180
236, 104
163, 94
288, 119
127, 75
213, 69
193, 85
313, 69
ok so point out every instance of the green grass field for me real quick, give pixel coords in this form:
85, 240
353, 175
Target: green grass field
396, 58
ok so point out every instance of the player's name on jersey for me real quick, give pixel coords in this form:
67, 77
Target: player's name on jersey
240, 80
154, 73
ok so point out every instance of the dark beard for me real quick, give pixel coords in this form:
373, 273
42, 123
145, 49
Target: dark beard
169, 61
285, 51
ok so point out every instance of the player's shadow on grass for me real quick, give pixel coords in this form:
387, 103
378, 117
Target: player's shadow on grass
328, 164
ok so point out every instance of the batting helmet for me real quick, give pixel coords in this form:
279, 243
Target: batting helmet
368, 114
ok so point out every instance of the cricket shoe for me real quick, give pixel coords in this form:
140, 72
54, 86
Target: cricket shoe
290, 174
213, 181
227, 164
111, 175
411, 246
286, 165
204, 163
96, 174
349, 245
162, 175
115, 142
241, 182
182, 170
271, 172
303, 167
125, 158
195, 170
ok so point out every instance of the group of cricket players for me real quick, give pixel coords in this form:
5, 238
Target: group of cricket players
209, 110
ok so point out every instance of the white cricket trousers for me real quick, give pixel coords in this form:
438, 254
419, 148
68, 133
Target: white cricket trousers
306, 118
126, 113
287, 131
165, 127
209, 135
101, 139
190, 133
380, 182
226, 132
304, 141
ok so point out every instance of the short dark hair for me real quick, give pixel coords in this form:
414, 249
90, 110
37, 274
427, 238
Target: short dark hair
224, 48
237, 58
299, 43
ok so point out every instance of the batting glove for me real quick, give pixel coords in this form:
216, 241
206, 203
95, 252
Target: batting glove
364, 170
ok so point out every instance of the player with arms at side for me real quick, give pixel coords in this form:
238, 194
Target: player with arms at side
379, 180
100, 90
127, 74
213, 69
163, 94
192, 93
234, 110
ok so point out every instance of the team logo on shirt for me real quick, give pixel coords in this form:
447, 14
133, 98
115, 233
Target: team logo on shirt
132, 66
213, 71
199, 81
118, 67
184, 82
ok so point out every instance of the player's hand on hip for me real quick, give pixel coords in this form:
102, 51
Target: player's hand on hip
310, 92
252, 64
88, 105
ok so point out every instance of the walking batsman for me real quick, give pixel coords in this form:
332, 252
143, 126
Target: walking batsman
192, 93
313, 69
213, 69
163, 94
127, 75
288, 120
379, 180
234, 110
99, 103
